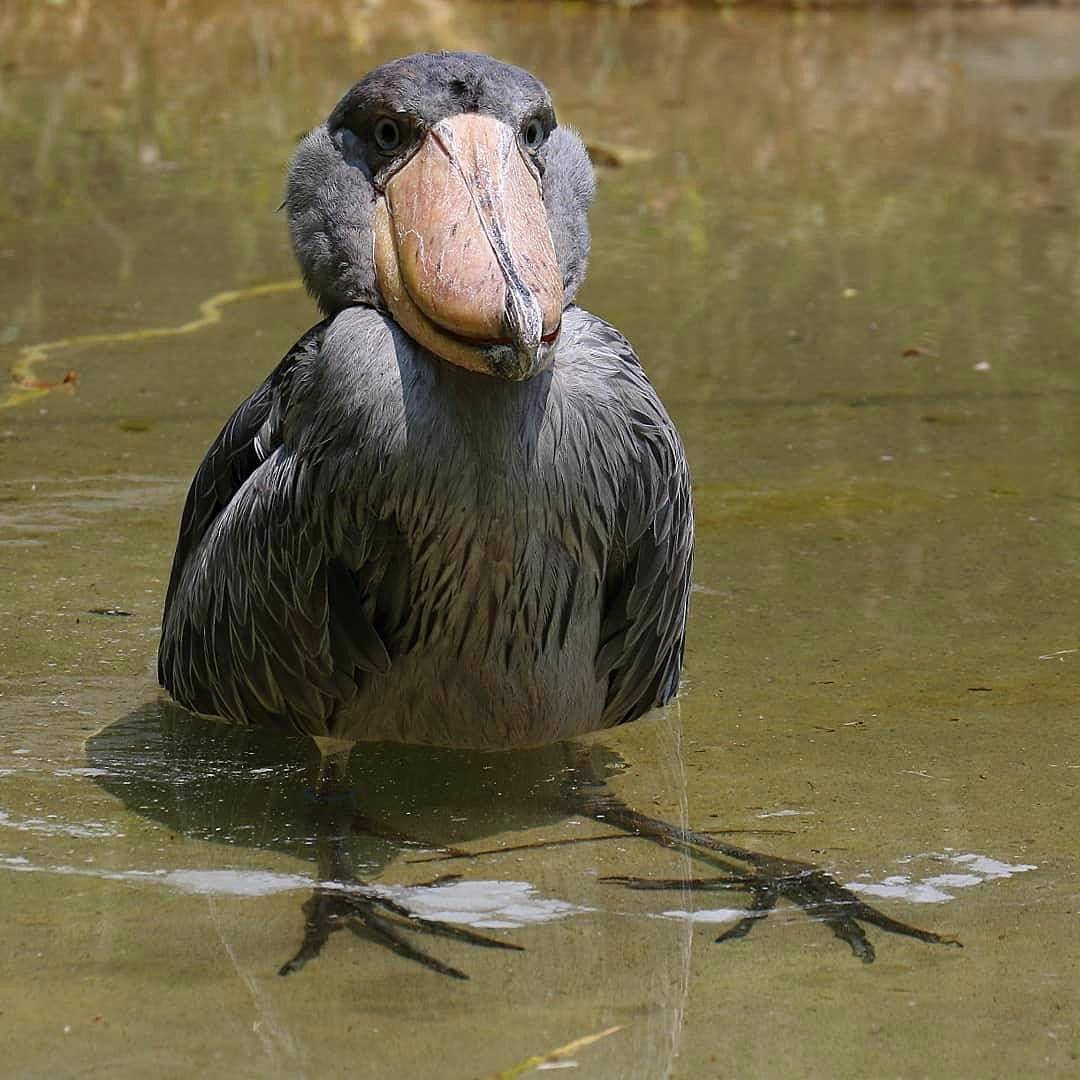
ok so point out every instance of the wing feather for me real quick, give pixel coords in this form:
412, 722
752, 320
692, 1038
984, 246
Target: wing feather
647, 578
264, 621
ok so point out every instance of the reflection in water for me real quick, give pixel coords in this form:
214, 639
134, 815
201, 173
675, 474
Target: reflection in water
492, 904
249, 786
237, 789
241, 786
932, 889
962, 870
238, 785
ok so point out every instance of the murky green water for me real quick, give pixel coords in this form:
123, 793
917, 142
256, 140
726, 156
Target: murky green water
848, 249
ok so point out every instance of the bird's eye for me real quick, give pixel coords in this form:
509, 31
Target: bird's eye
387, 134
533, 134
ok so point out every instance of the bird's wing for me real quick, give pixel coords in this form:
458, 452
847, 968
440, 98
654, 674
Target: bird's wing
264, 621
235, 454
647, 580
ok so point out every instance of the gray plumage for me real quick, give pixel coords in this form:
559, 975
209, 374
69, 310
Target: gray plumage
381, 544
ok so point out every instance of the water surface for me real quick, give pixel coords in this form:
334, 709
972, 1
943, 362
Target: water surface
848, 251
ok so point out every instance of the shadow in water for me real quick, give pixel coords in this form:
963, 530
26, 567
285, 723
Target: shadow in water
253, 787
224, 788
235, 785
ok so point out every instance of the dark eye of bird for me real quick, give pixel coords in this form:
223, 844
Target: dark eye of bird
533, 134
387, 134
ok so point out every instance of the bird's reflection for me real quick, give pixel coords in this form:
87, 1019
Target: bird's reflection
230, 784
237, 785
352, 815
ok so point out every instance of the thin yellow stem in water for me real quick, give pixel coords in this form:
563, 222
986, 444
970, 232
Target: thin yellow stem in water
22, 371
553, 1055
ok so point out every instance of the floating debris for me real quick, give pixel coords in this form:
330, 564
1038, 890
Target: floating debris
611, 156
559, 1054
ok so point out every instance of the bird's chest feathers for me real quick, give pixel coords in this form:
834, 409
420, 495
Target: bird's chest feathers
471, 464
497, 492
498, 517
506, 538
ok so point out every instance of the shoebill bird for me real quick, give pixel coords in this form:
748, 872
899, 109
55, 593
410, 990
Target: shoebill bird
456, 513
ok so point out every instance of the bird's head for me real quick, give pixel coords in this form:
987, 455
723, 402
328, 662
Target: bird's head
443, 190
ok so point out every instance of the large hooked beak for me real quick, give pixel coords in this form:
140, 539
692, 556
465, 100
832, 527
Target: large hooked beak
463, 253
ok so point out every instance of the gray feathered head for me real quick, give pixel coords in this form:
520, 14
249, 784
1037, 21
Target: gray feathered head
443, 190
